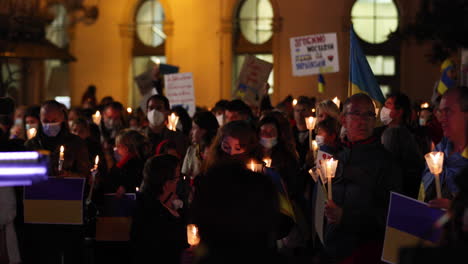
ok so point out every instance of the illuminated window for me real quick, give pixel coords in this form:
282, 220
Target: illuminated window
374, 20
149, 23
255, 19
382, 65
253, 35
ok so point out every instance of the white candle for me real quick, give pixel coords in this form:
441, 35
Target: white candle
31, 132
61, 158
97, 118
330, 169
193, 238
172, 122
310, 122
435, 161
96, 162
336, 101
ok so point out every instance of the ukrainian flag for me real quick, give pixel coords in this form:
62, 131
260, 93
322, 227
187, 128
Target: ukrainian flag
361, 78
115, 217
55, 201
285, 204
321, 83
445, 82
410, 223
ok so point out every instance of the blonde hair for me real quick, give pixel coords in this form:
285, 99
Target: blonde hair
329, 108
136, 142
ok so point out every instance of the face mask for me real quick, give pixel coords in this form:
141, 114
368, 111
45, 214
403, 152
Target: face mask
29, 126
155, 118
320, 140
268, 142
385, 115
422, 121
51, 129
18, 121
220, 118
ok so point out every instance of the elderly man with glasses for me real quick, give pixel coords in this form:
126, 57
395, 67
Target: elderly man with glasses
365, 176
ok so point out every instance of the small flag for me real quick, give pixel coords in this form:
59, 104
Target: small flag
445, 81
115, 217
321, 83
361, 78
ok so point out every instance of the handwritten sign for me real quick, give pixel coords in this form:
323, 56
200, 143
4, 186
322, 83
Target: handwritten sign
180, 91
252, 78
314, 54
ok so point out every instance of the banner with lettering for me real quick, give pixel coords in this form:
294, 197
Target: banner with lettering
314, 54
180, 91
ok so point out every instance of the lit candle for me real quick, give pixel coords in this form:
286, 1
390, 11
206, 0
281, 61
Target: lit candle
31, 132
192, 235
137, 189
435, 160
313, 110
252, 166
424, 105
129, 110
330, 169
97, 118
336, 101
294, 102
172, 122
314, 149
96, 162
61, 158
310, 123
267, 162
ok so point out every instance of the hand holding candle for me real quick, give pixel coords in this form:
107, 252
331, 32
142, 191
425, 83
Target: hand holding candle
267, 162
192, 235
31, 132
172, 122
97, 118
435, 161
310, 123
330, 169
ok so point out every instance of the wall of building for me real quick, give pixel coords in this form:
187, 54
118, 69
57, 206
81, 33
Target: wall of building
200, 42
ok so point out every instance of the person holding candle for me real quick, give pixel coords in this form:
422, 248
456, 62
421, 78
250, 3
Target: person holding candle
52, 133
131, 150
157, 111
159, 229
31, 120
366, 174
453, 116
302, 110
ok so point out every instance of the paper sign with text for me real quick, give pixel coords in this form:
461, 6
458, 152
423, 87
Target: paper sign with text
252, 79
180, 91
314, 54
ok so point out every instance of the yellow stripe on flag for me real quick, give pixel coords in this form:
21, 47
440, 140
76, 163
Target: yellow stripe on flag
53, 212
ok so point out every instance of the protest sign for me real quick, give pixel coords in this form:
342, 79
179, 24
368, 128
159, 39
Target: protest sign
180, 91
314, 54
115, 217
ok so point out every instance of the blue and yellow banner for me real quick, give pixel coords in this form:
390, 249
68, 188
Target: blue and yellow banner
410, 223
361, 78
55, 201
321, 83
115, 217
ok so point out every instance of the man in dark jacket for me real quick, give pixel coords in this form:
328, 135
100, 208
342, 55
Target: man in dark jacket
365, 177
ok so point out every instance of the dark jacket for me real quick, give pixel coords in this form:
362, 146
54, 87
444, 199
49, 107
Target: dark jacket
180, 140
365, 176
156, 234
127, 173
75, 155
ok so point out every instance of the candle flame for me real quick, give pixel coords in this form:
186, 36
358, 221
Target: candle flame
96, 160
424, 105
32, 132
336, 101
313, 110
129, 110
314, 145
252, 165
137, 189
310, 122
294, 102
97, 114
192, 235
62, 149
267, 162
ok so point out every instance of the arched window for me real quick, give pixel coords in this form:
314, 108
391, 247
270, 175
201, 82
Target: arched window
253, 33
373, 21
148, 41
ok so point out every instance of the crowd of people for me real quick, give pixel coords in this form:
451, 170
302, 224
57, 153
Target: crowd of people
202, 173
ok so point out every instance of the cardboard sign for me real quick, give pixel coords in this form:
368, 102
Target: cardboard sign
180, 91
55, 201
252, 79
314, 54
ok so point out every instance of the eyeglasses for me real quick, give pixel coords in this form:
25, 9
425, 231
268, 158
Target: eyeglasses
365, 115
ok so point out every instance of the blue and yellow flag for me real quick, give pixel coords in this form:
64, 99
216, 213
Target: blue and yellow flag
445, 81
321, 83
361, 78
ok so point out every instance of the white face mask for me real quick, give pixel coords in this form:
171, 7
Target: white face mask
268, 143
51, 129
29, 126
155, 118
18, 121
385, 115
320, 140
220, 118
422, 121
